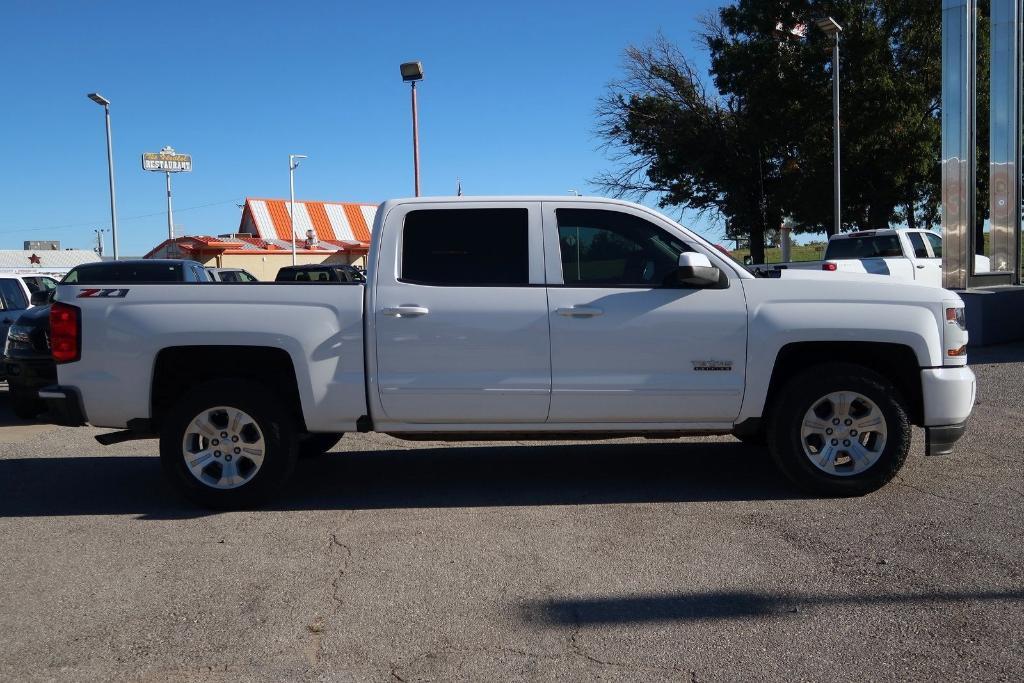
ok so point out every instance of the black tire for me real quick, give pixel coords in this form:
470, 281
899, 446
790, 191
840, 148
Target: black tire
802, 393
272, 422
25, 403
315, 445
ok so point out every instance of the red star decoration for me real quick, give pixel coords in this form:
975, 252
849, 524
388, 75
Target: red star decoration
34, 259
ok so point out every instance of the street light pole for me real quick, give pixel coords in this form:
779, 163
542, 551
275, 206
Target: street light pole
105, 103
415, 143
832, 28
292, 165
412, 72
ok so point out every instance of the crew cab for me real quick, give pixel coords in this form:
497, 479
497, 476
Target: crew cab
513, 318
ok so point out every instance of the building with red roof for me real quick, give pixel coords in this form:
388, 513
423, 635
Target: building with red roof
325, 232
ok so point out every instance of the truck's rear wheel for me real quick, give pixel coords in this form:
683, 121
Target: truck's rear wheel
839, 429
227, 443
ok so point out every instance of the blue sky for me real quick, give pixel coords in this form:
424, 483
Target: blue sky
507, 103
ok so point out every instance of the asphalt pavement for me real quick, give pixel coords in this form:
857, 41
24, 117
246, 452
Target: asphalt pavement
687, 560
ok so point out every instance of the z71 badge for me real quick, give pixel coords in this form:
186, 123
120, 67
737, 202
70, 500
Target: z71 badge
103, 293
712, 365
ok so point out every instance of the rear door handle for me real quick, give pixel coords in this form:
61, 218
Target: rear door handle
920, 265
8, 321
579, 312
407, 311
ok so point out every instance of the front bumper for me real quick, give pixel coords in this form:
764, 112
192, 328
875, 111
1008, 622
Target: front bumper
64, 405
948, 394
30, 373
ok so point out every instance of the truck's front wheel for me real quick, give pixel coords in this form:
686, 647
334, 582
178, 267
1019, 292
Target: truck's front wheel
227, 444
839, 429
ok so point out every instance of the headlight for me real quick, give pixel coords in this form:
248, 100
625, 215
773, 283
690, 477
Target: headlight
957, 315
18, 334
954, 334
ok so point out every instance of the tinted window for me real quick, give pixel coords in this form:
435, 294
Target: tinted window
878, 246
466, 247
12, 294
311, 275
916, 241
125, 272
936, 244
39, 284
611, 248
232, 276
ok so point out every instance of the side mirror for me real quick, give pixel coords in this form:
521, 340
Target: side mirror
695, 270
40, 298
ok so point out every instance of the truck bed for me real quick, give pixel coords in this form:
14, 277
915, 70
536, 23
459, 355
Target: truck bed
125, 327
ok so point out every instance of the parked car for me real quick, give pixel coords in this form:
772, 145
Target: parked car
27, 361
509, 318
230, 275
910, 255
333, 272
15, 298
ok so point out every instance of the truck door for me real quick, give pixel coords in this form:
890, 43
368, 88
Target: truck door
927, 268
628, 344
460, 314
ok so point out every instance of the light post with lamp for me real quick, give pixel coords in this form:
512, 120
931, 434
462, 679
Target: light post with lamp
292, 165
105, 103
412, 72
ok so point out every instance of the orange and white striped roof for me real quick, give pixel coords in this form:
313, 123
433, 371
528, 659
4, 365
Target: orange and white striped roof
268, 219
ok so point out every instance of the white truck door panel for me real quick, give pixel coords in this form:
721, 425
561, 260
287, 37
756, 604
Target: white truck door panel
625, 348
927, 268
461, 315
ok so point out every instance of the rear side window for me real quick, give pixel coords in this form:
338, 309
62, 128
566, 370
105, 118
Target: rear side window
876, 246
466, 247
936, 244
12, 295
916, 241
39, 284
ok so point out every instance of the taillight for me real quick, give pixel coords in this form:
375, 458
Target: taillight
65, 332
829, 266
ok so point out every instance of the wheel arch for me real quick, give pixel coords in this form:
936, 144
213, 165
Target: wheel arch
177, 369
898, 363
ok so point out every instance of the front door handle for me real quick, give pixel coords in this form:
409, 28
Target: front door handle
7, 321
406, 311
579, 312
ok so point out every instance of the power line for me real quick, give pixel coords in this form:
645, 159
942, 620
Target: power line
129, 218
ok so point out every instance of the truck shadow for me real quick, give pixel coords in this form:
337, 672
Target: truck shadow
459, 476
732, 605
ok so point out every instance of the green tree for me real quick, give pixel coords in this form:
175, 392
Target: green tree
755, 143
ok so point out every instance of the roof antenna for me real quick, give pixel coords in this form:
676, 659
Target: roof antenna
458, 186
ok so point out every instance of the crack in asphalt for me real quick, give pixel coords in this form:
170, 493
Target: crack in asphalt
950, 499
316, 627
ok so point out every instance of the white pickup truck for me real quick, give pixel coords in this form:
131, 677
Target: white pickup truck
512, 318
910, 255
